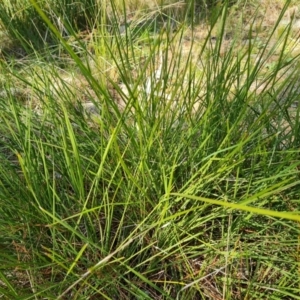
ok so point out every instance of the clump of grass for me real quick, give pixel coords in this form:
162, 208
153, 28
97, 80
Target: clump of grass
25, 26
181, 183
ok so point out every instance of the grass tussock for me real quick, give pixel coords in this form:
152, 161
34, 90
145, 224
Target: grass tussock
145, 160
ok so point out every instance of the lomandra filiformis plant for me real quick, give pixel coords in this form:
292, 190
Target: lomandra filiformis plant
153, 163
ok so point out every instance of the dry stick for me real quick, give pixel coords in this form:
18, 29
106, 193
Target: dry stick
91, 270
